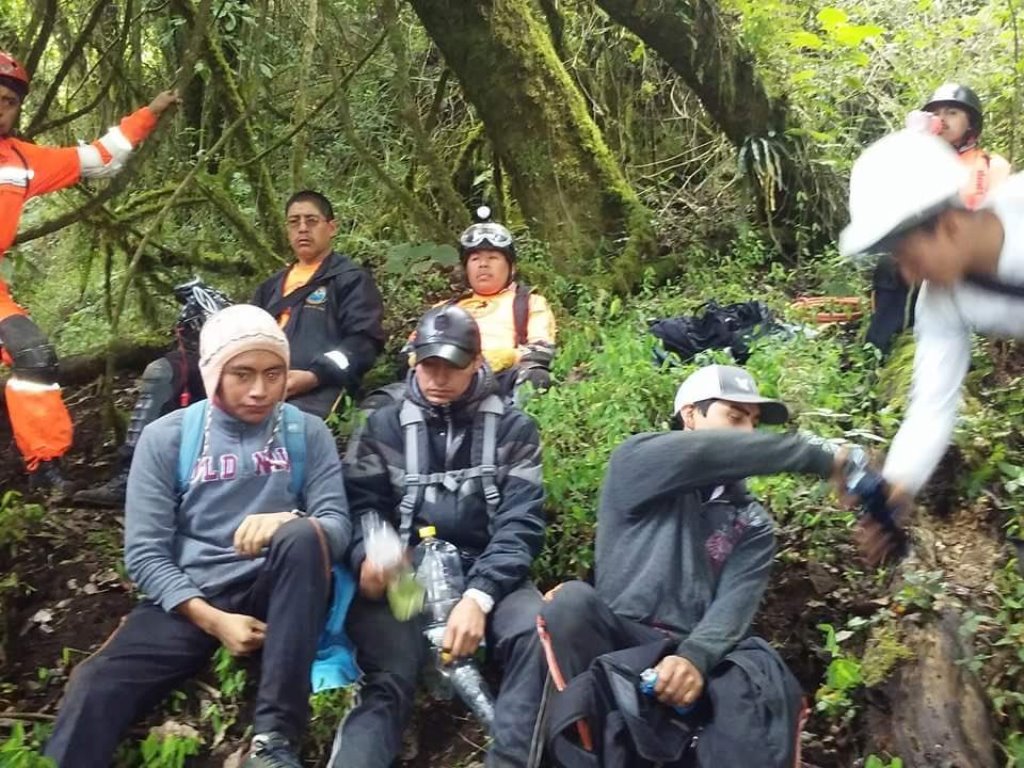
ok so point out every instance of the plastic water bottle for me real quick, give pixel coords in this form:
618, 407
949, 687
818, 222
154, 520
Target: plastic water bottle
648, 679
872, 491
471, 687
439, 571
869, 488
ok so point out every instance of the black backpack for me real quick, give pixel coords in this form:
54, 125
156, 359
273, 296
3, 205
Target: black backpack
715, 327
749, 714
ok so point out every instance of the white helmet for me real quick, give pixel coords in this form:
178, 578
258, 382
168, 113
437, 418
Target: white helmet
900, 181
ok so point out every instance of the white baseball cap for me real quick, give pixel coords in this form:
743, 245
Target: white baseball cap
727, 382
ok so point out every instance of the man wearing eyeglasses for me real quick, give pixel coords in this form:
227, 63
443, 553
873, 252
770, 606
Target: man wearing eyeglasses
329, 307
330, 310
906, 201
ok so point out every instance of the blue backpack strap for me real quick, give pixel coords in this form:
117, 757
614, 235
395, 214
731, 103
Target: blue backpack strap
191, 442
293, 422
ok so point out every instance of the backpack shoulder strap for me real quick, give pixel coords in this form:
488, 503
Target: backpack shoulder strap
293, 422
995, 285
191, 442
521, 313
452, 302
414, 434
485, 452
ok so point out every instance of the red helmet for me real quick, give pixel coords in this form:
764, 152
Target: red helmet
12, 70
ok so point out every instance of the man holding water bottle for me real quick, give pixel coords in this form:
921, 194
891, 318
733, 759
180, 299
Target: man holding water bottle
454, 457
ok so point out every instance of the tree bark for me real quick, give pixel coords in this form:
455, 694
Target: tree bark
566, 182
936, 711
692, 37
695, 40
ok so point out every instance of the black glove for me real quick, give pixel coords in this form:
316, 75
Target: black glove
872, 491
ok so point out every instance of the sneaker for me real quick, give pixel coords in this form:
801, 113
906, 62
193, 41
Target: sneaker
110, 495
48, 478
271, 750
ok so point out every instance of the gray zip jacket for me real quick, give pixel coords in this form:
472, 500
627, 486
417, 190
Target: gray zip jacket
176, 551
681, 545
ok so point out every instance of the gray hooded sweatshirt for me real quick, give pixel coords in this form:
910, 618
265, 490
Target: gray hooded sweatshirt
176, 551
681, 545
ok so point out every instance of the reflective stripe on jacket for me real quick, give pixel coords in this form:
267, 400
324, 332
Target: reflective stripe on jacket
29, 170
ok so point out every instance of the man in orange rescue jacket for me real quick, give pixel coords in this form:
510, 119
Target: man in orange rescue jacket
39, 419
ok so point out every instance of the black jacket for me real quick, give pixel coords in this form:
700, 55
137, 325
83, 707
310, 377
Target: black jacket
374, 467
343, 314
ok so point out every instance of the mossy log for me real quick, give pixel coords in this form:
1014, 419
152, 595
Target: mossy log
932, 710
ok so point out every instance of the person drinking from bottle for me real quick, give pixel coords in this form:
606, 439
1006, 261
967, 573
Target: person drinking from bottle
453, 456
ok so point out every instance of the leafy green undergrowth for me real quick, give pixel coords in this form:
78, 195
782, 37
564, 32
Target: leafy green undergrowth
609, 388
838, 388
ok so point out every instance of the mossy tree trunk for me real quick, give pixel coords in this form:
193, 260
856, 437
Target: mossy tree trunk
566, 182
794, 194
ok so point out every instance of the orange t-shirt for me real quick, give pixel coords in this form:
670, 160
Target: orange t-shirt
297, 276
988, 171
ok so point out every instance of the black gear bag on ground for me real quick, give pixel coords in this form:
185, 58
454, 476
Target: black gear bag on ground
714, 326
749, 714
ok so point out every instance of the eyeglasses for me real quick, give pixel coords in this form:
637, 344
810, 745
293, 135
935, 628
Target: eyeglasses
294, 222
487, 233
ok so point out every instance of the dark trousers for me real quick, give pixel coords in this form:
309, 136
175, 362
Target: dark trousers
154, 651
893, 310
391, 654
581, 628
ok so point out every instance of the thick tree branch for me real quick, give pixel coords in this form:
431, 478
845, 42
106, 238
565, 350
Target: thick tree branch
42, 38
794, 193
250, 235
693, 38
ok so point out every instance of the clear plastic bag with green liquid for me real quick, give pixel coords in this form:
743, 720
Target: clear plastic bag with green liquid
384, 549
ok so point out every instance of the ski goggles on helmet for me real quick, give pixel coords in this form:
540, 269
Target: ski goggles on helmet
487, 233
